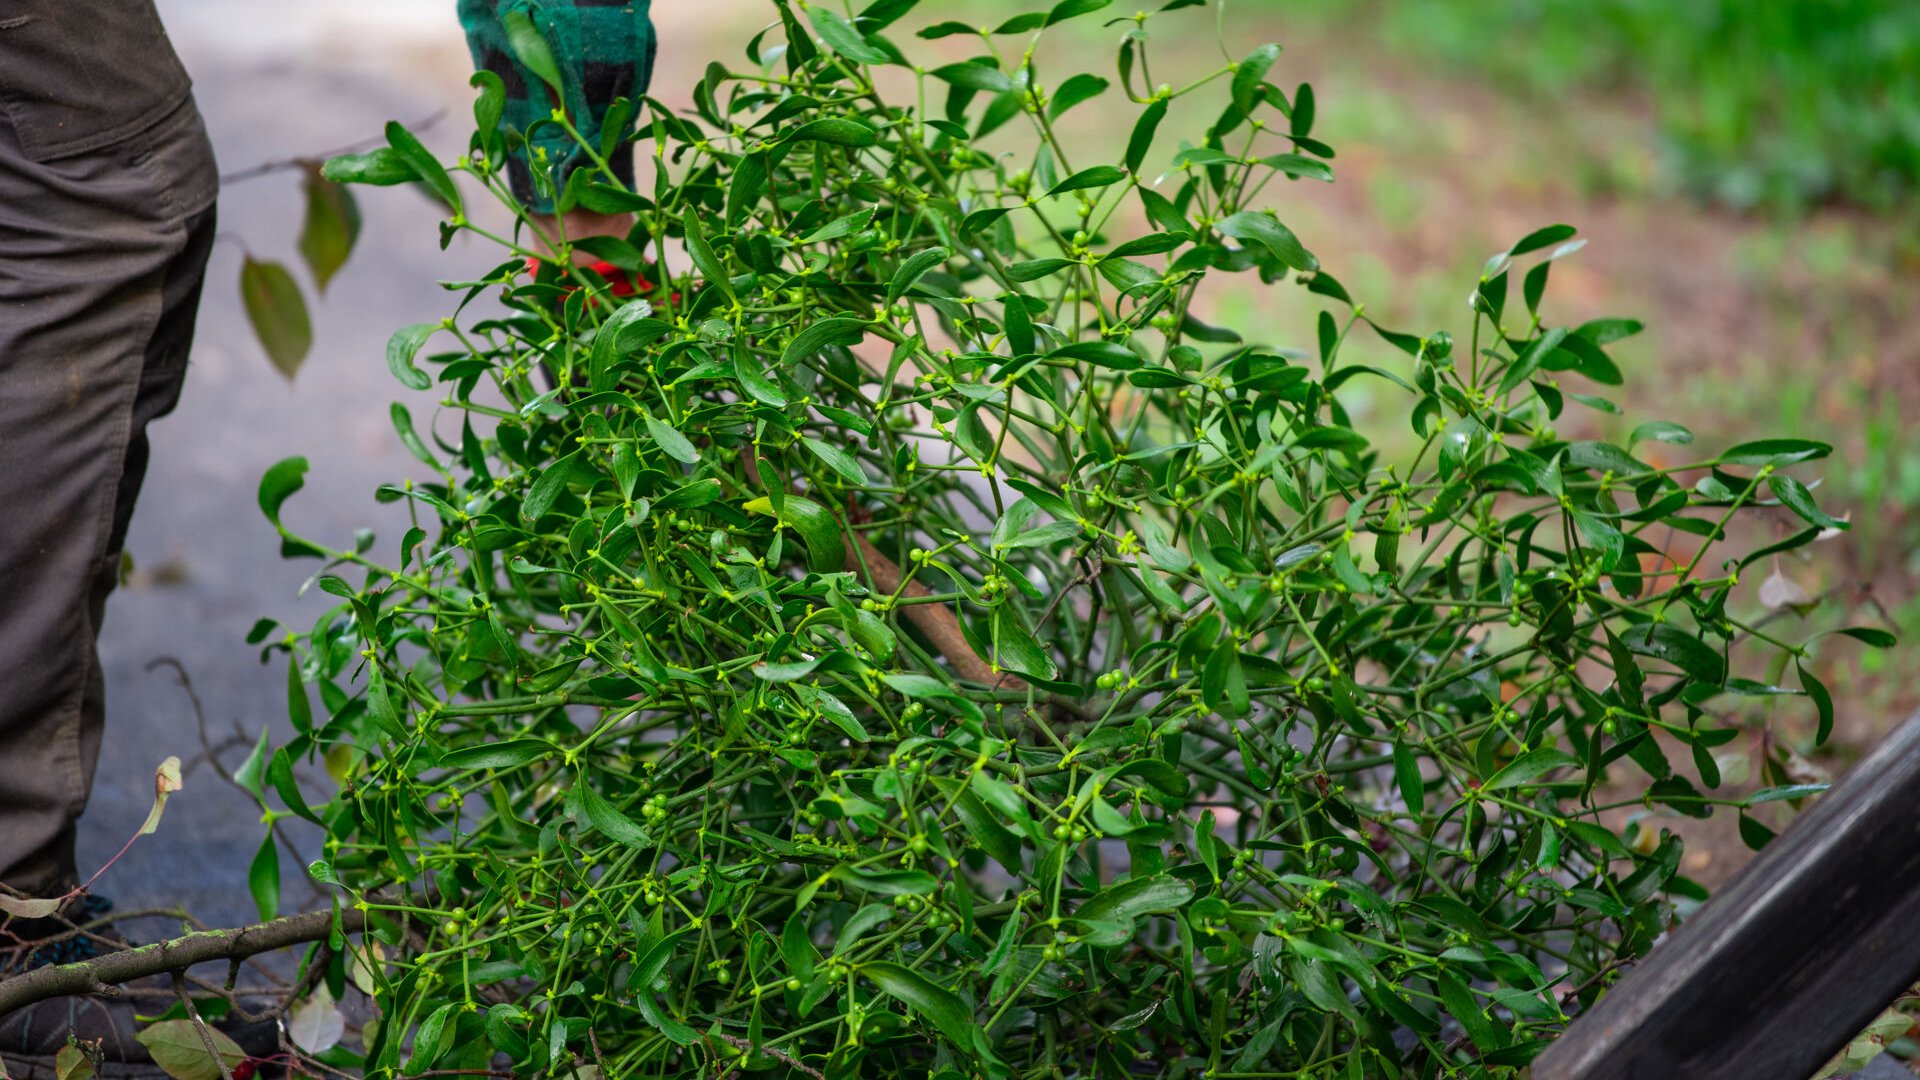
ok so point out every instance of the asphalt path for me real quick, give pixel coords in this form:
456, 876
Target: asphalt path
273, 82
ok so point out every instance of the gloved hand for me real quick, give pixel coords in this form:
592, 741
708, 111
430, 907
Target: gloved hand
603, 51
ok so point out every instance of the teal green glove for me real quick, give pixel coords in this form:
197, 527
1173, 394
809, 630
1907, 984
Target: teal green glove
604, 50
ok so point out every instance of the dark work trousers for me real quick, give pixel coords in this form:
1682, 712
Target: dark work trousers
107, 185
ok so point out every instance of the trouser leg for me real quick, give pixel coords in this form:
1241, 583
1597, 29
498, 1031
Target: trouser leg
101, 259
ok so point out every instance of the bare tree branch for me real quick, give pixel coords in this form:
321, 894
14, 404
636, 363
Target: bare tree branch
102, 973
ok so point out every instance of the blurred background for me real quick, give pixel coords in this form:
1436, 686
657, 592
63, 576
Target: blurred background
1745, 173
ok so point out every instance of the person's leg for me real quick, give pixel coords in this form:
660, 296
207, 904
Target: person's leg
101, 257
163, 370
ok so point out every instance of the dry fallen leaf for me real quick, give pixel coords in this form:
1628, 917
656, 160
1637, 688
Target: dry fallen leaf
180, 1049
315, 1024
166, 781
71, 1064
361, 972
26, 908
1870, 1044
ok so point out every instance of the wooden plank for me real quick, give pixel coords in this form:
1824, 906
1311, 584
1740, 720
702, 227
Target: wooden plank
1787, 963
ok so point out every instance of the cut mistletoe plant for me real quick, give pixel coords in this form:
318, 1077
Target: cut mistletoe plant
904, 639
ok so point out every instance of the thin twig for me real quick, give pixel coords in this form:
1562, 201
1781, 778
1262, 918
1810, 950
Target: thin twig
306, 161
778, 1055
1573, 993
12, 942
1089, 569
593, 1040
212, 754
200, 1025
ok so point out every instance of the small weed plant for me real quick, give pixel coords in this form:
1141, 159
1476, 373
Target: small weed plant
905, 639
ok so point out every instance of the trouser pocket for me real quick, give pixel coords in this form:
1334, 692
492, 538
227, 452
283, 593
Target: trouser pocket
76, 76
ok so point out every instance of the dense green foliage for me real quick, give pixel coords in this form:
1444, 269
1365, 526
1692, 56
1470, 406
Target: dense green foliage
1781, 104
907, 640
